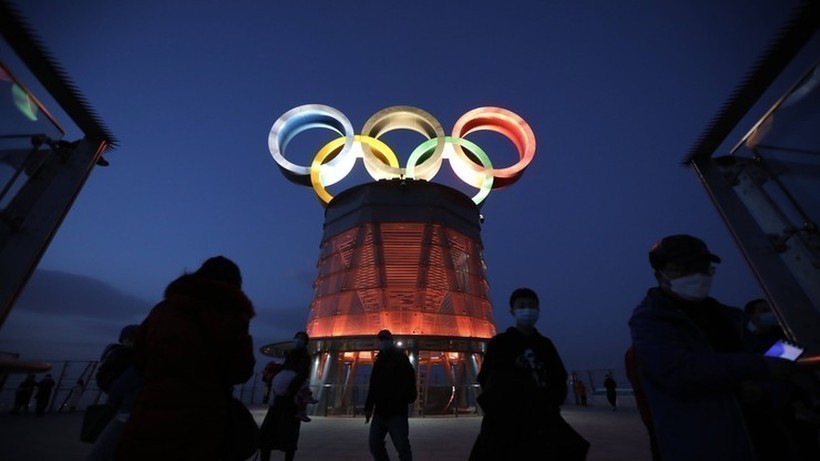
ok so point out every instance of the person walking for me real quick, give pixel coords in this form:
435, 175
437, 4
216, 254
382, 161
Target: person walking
523, 385
580, 392
23, 393
392, 389
190, 350
43, 395
281, 426
611, 391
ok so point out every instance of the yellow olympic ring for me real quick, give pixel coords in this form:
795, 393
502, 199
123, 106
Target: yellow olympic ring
378, 149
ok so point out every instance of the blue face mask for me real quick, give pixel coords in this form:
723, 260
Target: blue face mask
525, 317
767, 320
299, 343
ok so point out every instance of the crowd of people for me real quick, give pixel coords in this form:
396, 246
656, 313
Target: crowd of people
704, 384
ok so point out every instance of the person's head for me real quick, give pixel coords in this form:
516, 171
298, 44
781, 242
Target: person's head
300, 340
524, 307
220, 269
760, 314
683, 267
385, 339
128, 335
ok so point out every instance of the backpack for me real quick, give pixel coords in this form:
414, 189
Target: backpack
115, 360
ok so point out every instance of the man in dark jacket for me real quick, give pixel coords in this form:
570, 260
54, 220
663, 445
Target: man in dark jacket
392, 389
524, 383
706, 388
43, 395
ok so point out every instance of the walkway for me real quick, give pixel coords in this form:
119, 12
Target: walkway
614, 436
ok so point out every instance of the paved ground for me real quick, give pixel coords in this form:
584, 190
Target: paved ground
614, 436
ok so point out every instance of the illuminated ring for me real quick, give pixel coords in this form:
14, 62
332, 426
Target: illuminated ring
382, 153
304, 118
481, 180
409, 118
508, 124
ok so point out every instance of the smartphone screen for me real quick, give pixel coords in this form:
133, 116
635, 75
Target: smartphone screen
784, 350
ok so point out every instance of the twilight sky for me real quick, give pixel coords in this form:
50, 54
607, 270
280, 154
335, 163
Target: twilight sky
616, 93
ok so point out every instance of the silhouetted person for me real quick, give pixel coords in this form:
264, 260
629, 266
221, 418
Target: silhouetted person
762, 323
118, 377
704, 385
280, 429
580, 390
523, 385
43, 395
392, 389
190, 350
116, 358
22, 396
611, 391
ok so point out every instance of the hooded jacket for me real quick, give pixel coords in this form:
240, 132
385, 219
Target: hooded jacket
191, 349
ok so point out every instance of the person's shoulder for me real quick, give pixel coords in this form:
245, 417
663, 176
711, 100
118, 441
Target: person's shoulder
725, 308
654, 306
505, 335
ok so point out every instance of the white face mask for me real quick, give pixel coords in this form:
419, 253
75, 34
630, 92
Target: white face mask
692, 287
525, 317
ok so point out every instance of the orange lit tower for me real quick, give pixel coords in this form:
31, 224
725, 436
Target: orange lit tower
401, 253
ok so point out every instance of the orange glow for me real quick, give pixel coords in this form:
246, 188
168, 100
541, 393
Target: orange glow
411, 278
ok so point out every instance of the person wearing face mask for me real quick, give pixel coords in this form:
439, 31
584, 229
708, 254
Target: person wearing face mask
283, 421
392, 389
762, 323
523, 385
702, 379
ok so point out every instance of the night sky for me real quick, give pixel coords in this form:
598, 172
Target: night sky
616, 93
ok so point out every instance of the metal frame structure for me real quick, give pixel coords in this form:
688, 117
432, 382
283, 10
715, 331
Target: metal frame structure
52, 171
778, 238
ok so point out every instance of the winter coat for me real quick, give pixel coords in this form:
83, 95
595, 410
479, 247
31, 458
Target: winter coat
392, 384
190, 350
689, 387
523, 384
280, 428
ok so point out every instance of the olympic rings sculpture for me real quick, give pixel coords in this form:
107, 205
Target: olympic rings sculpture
336, 158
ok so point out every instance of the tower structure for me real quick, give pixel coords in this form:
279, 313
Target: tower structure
402, 253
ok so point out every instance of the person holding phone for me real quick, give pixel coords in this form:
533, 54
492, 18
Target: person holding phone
707, 387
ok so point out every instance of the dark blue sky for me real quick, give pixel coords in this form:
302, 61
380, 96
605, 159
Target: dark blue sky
616, 93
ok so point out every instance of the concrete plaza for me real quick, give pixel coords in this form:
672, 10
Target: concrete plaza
614, 436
